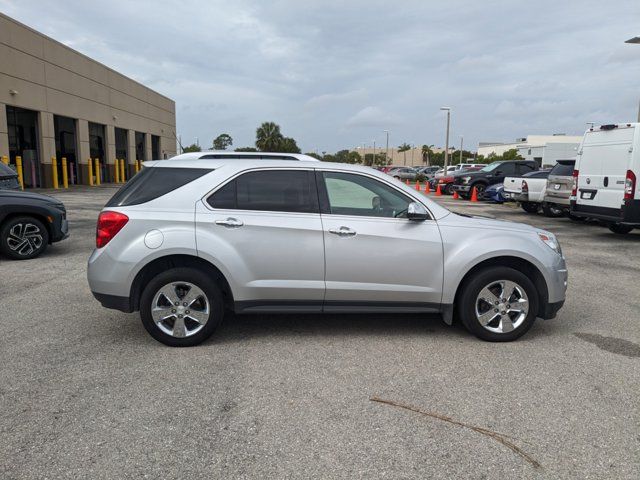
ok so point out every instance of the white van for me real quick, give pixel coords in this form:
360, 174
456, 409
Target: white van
604, 179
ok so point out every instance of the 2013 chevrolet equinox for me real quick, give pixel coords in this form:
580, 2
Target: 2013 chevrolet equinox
184, 239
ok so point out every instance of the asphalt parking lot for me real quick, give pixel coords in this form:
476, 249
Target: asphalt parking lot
86, 393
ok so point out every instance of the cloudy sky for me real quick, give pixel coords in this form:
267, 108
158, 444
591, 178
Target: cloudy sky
336, 74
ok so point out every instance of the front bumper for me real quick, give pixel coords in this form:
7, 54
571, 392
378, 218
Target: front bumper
462, 188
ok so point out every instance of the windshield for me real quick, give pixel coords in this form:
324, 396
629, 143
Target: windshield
491, 167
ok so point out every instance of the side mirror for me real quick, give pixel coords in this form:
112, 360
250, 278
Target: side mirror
417, 212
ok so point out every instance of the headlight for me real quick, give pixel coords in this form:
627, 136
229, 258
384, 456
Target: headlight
550, 241
466, 179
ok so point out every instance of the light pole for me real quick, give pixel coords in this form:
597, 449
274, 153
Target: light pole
446, 143
461, 140
373, 162
413, 147
387, 150
635, 40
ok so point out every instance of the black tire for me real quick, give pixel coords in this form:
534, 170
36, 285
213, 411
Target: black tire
464, 196
552, 211
530, 207
396, 177
22, 238
181, 276
470, 290
480, 188
620, 229
449, 189
575, 218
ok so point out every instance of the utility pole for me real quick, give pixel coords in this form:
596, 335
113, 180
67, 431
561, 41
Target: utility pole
446, 144
461, 139
413, 147
635, 40
387, 150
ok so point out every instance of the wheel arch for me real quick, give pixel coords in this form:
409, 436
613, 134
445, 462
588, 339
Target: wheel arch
167, 262
517, 263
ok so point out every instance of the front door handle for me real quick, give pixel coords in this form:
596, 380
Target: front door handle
230, 222
343, 231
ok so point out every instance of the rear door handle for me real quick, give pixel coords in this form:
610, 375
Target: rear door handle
230, 222
343, 231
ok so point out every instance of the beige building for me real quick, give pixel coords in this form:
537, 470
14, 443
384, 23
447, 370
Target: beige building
411, 157
56, 102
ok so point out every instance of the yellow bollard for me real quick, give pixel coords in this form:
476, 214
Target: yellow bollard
54, 172
116, 172
135, 167
5, 160
65, 173
123, 175
90, 172
19, 171
98, 179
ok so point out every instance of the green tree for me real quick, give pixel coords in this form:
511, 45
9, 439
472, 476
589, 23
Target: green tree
268, 137
222, 141
512, 155
246, 149
427, 152
192, 148
288, 145
379, 159
314, 155
404, 147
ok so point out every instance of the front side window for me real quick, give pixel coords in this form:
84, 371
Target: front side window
351, 194
269, 190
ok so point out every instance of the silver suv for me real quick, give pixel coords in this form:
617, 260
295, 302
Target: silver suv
185, 240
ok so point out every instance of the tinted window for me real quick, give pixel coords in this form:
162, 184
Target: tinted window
507, 169
273, 190
151, 183
350, 194
525, 168
565, 169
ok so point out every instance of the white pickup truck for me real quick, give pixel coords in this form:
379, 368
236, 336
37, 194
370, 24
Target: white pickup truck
528, 189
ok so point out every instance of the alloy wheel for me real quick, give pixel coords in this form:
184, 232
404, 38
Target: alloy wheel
180, 309
24, 239
501, 306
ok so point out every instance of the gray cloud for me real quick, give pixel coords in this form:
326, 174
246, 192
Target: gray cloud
335, 74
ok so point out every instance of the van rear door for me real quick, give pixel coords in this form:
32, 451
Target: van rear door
602, 162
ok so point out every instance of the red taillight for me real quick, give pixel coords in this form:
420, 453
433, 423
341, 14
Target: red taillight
525, 187
109, 224
574, 190
629, 185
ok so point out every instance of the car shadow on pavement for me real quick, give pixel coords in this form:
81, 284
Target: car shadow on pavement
237, 328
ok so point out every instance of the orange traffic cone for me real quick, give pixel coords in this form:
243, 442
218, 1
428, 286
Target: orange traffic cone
474, 195
418, 186
427, 187
407, 181
455, 195
438, 191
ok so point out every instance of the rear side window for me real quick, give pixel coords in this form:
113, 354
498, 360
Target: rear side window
562, 169
151, 183
272, 190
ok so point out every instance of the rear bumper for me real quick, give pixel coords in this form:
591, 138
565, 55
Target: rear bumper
627, 214
515, 197
114, 302
562, 201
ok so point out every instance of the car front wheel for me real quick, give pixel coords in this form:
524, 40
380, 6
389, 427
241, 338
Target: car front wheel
498, 304
181, 307
22, 238
620, 229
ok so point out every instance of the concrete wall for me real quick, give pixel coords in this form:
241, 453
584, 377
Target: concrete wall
41, 74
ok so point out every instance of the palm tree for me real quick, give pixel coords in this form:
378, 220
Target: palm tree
426, 152
268, 137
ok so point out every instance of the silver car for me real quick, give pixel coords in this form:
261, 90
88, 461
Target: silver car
186, 239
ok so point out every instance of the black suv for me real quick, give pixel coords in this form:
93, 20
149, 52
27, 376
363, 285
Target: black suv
8, 178
29, 222
493, 173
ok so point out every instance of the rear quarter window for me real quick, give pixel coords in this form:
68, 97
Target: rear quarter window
153, 182
562, 169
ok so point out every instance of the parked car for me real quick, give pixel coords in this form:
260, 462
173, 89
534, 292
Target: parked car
490, 174
8, 178
559, 186
403, 173
29, 222
441, 172
427, 172
183, 239
446, 183
494, 193
605, 177
527, 189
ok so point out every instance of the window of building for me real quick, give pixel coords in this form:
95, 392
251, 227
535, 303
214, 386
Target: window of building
140, 146
155, 147
22, 125
122, 143
66, 140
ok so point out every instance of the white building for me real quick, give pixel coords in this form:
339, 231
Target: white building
544, 149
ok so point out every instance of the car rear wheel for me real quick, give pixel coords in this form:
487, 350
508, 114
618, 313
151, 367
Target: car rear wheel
620, 229
22, 238
498, 304
530, 207
181, 307
480, 188
551, 210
